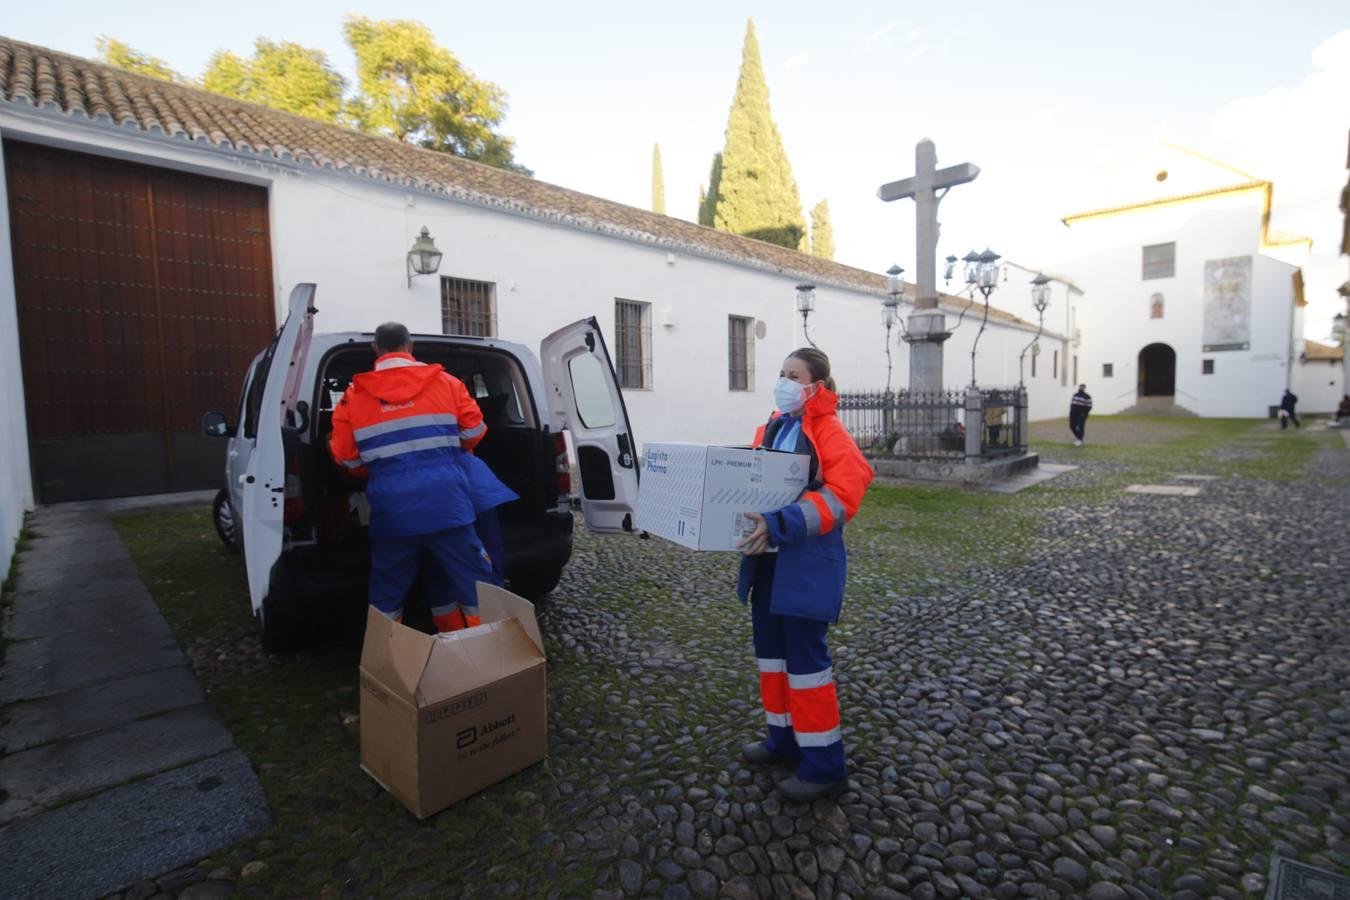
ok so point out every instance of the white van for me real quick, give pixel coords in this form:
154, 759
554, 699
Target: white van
298, 518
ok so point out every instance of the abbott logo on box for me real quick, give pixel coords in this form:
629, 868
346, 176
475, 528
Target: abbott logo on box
469, 737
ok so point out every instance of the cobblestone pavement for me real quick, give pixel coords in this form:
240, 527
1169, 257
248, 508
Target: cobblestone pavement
1073, 692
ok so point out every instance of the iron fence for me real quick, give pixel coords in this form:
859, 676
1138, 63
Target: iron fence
1003, 431
934, 424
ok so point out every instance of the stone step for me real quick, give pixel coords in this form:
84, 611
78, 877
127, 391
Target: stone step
1158, 406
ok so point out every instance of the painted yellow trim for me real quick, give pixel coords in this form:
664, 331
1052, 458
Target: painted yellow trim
1266, 187
1176, 200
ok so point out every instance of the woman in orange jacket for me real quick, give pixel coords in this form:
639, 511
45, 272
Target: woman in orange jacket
796, 592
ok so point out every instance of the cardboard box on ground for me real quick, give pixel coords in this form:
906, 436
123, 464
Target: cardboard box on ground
697, 495
445, 716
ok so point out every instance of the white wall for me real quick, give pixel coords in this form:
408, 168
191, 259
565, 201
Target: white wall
1319, 384
1114, 314
351, 237
16, 483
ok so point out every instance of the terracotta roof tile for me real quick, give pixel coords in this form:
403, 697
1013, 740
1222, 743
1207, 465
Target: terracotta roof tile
35, 76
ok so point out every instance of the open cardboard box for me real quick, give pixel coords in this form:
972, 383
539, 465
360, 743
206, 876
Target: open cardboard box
445, 716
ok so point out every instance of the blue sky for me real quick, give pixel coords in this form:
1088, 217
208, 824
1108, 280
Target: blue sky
1035, 93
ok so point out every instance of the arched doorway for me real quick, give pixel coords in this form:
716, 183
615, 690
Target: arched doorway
1157, 371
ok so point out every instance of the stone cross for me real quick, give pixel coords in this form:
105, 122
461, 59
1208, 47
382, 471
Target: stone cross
927, 325
923, 187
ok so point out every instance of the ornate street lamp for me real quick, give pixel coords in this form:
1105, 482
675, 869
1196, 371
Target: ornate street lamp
981, 273
949, 268
423, 258
972, 261
890, 312
1040, 298
806, 304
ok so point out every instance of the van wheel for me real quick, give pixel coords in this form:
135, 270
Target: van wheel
536, 584
222, 514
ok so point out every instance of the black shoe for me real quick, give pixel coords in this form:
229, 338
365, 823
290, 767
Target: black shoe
758, 754
806, 791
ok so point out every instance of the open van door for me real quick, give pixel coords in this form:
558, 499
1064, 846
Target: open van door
263, 481
584, 398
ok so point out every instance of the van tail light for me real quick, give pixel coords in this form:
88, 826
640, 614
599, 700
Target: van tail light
562, 468
294, 506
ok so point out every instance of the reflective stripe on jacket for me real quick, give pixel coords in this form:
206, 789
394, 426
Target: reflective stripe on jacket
409, 425
811, 564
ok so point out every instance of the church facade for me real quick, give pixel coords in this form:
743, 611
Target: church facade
1192, 300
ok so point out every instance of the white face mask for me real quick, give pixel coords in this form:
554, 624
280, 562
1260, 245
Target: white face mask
789, 395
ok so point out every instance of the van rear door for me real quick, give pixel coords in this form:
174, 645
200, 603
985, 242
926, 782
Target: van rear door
263, 481
584, 399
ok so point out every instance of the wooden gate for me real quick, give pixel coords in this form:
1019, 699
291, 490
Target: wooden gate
143, 294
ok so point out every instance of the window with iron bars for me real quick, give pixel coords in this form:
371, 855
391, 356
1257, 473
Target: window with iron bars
633, 343
468, 307
1160, 260
740, 354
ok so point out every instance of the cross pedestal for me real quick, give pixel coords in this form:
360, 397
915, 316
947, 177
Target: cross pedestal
927, 324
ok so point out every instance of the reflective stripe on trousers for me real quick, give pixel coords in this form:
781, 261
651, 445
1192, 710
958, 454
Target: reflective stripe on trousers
796, 679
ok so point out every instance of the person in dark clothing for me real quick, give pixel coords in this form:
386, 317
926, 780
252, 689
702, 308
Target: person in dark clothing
1079, 407
1287, 403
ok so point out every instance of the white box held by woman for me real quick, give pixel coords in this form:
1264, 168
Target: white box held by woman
696, 495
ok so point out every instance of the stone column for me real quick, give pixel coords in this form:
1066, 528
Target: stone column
927, 333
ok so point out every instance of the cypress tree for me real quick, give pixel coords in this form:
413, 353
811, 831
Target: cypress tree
707, 201
822, 235
756, 195
658, 182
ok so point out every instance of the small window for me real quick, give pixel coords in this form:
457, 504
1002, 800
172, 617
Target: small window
740, 354
590, 392
468, 307
1055, 372
1160, 260
1207, 367
257, 384
1155, 306
1108, 369
633, 343
1075, 368
1035, 354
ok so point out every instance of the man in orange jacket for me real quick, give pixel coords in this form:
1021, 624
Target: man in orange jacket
410, 426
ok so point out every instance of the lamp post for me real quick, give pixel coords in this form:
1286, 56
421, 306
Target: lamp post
981, 273
890, 310
424, 258
806, 304
1040, 298
949, 269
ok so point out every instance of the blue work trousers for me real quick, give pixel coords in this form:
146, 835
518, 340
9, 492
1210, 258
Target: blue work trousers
459, 561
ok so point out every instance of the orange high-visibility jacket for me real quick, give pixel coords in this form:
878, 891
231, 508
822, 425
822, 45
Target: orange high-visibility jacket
410, 425
812, 562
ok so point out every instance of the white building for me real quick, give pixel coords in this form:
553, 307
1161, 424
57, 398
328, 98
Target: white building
150, 232
1319, 377
1192, 298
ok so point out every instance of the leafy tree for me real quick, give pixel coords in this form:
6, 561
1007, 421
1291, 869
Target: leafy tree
124, 56
418, 92
658, 182
282, 75
822, 234
756, 195
707, 200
